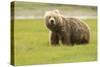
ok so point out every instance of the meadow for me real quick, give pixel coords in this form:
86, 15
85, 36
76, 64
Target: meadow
31, 43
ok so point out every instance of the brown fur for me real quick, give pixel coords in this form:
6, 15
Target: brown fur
67, 30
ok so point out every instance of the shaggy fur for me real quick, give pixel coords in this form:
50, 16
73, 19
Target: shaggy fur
69, 31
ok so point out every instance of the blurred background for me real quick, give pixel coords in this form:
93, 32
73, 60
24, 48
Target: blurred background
30, 10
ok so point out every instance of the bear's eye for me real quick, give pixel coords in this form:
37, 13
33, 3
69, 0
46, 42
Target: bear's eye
49, 16
54, 17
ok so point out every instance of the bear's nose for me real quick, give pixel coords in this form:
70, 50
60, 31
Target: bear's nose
52, 21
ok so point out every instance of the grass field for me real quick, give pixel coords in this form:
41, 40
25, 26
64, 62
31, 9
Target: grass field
32, 46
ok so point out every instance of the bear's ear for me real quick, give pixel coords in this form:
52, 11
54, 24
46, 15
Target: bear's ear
57, 11
47, 13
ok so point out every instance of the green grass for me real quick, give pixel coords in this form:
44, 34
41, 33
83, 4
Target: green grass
32, 47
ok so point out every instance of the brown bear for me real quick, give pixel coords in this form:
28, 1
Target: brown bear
69, 31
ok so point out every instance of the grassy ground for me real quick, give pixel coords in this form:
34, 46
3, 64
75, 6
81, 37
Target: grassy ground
32, 47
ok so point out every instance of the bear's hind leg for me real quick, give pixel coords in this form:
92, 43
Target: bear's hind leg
84, 41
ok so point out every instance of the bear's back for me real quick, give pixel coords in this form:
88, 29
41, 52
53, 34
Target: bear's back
78, 30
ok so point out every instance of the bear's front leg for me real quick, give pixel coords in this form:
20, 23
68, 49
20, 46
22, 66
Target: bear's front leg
65, 38
54, 39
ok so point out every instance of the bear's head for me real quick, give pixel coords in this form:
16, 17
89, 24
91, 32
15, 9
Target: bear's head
53, 19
